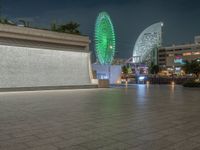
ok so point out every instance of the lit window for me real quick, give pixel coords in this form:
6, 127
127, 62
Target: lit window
171, 55
196, 53
186, 54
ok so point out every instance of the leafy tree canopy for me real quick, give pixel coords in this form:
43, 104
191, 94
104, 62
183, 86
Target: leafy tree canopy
71, 27
192, 67
154, 69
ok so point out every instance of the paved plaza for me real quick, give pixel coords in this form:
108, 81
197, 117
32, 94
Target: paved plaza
137, 118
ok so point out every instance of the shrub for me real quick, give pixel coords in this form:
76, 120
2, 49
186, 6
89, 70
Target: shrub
191, 83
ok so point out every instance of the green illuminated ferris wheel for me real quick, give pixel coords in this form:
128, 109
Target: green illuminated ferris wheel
104, 39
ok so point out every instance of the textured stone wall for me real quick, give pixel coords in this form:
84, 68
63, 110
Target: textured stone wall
31, 67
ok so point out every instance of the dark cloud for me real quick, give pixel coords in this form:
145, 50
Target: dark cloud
129, 17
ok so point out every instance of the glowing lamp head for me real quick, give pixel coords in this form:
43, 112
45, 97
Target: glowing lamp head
141, 78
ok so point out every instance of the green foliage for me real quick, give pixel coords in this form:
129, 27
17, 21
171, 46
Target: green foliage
129, 70
125, 70
53, 26
4, 21
154, 69
71, 27
192, 67
191, 83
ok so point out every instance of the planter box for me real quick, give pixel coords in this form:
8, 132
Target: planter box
103, 83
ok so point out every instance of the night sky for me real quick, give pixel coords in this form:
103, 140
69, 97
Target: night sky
130, 17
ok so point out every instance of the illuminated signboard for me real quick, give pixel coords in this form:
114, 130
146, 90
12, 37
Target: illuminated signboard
179, 60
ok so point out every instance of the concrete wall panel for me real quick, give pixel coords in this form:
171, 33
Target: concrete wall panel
34, 67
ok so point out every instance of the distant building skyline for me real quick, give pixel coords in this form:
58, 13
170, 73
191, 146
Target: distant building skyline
130, 18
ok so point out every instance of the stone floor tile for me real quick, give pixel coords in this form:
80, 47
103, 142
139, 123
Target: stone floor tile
115, 146
45, 147
184, 145
136, 118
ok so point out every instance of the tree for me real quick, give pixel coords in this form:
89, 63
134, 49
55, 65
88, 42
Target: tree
71, 27
192, 67
53, 27
154, 69
4, 20
125, 70
187, 67
129, 70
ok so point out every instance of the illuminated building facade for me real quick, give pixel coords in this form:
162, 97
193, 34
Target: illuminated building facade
147, 44
173, 57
